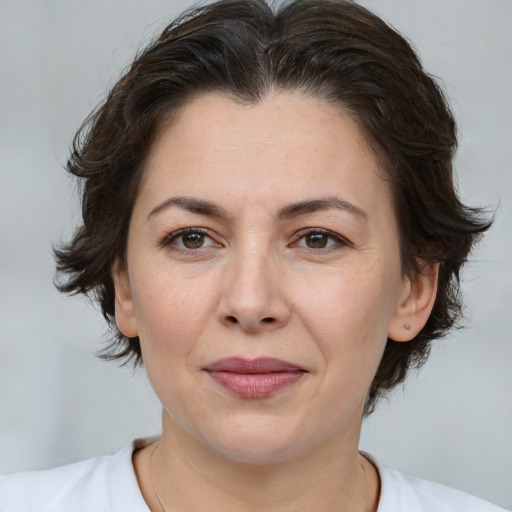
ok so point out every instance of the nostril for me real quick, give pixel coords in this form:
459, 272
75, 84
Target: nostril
268, 320
232, 319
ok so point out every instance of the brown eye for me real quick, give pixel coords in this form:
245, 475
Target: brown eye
189, 239
193, 240
316, 240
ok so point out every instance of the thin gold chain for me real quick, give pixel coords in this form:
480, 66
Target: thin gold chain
151, 476
153, 485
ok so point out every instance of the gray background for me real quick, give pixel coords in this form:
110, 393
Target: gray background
58, 403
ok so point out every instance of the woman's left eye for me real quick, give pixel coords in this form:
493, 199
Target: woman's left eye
319, 240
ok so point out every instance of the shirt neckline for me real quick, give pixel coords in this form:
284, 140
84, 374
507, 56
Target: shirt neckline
125, 495
122, 486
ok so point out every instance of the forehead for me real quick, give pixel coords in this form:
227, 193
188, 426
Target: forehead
287, 146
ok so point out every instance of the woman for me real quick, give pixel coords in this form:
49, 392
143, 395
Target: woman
270, 222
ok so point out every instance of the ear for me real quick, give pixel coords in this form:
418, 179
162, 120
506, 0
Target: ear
124, 306
415, 304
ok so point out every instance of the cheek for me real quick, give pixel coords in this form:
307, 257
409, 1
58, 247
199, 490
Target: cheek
171, 311
347, 312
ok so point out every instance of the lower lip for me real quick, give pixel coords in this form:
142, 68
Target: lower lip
255, 385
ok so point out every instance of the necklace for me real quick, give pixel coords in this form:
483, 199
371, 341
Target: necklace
153, 485
151, 476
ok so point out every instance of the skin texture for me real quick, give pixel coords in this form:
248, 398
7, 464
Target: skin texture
257, 276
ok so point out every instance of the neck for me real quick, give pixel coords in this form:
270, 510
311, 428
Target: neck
331, 477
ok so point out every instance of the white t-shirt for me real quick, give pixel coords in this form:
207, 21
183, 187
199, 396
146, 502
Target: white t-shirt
108, 484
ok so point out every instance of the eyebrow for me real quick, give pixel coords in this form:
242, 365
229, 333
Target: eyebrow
199, 206
315, 205
209, 209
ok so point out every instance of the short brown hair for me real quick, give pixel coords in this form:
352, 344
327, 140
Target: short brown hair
334, 50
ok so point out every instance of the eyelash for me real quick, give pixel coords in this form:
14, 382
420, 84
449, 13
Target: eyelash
338, 239
175, 235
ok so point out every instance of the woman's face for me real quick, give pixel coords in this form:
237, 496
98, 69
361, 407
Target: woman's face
263, 275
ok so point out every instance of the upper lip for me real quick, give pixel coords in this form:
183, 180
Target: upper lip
252, 366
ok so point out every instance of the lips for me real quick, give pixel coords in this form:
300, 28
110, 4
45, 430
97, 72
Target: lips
254, 378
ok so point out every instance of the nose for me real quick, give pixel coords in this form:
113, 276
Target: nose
252, 293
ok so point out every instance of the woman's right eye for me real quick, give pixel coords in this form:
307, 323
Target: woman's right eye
189, 239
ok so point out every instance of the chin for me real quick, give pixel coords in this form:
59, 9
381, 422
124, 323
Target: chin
261, 444
258, 453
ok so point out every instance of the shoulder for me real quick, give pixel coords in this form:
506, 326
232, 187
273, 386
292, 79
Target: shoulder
65, 487
406, 493
102, 484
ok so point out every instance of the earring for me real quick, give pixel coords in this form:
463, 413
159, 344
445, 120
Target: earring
407, 326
